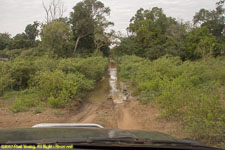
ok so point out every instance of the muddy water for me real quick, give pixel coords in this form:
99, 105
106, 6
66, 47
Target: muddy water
116, 94
108, 88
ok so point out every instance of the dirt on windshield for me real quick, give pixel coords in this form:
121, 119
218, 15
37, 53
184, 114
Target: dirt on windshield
110, 105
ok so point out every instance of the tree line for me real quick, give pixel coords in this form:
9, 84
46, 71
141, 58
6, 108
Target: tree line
152, 34
83, 33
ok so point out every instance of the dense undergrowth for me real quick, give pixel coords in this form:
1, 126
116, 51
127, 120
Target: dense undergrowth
190, 92
57, 82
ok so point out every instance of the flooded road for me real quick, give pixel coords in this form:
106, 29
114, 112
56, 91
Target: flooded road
109, 88
115, 94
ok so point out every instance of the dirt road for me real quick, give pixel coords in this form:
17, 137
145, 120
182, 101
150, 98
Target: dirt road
106, 105
129, 115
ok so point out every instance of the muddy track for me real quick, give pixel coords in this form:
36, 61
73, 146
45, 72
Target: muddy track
124, 118
107, 105
114, 115
110, 111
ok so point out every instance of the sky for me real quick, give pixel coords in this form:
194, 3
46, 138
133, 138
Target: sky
16, 14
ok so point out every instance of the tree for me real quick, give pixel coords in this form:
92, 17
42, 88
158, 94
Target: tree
175, 43
25, 40
156, 34
19, 41
54, 10
88, 19
55, 37
214, 21
102, 38
127, 47
32, 32
200, 43
4, 40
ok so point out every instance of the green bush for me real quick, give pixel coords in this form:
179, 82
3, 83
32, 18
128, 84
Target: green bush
189, 92
56, 80
24, 100
16, 74
3, 54
92, 67
55, 86
84, 85
27, 53
19, 106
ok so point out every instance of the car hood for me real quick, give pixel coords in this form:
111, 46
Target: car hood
64, 133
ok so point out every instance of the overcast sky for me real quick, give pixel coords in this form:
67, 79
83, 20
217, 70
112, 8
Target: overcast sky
16, 14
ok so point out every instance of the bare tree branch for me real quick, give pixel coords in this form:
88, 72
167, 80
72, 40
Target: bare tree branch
54, 10
46, 11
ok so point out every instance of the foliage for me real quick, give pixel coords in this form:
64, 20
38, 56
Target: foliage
151, 34
19, 41
56, 81
56, 87
88, 21
4, 40
24, 100
16, 74
212, 19
187, 91
56, 37
127, 47
32, 32
92, 67
199, 43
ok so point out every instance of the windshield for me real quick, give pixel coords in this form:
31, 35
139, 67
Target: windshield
134, 66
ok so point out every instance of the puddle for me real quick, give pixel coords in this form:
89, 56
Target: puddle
115, 93
108, 88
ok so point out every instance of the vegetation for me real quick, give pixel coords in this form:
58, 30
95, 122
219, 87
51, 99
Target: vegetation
190, 92
56, 38
89, 23
180, 66
57, 82
46, 71
151, 34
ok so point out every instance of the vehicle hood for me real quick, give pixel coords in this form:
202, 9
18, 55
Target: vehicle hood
64, 133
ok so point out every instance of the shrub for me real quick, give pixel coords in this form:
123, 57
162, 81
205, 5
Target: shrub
56, 80
20, 72
24, 101
92, 67
45, 63
187, 91
84, 85
19, 106
55, 86
16, 74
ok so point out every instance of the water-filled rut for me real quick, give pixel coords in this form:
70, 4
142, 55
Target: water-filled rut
115, 94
